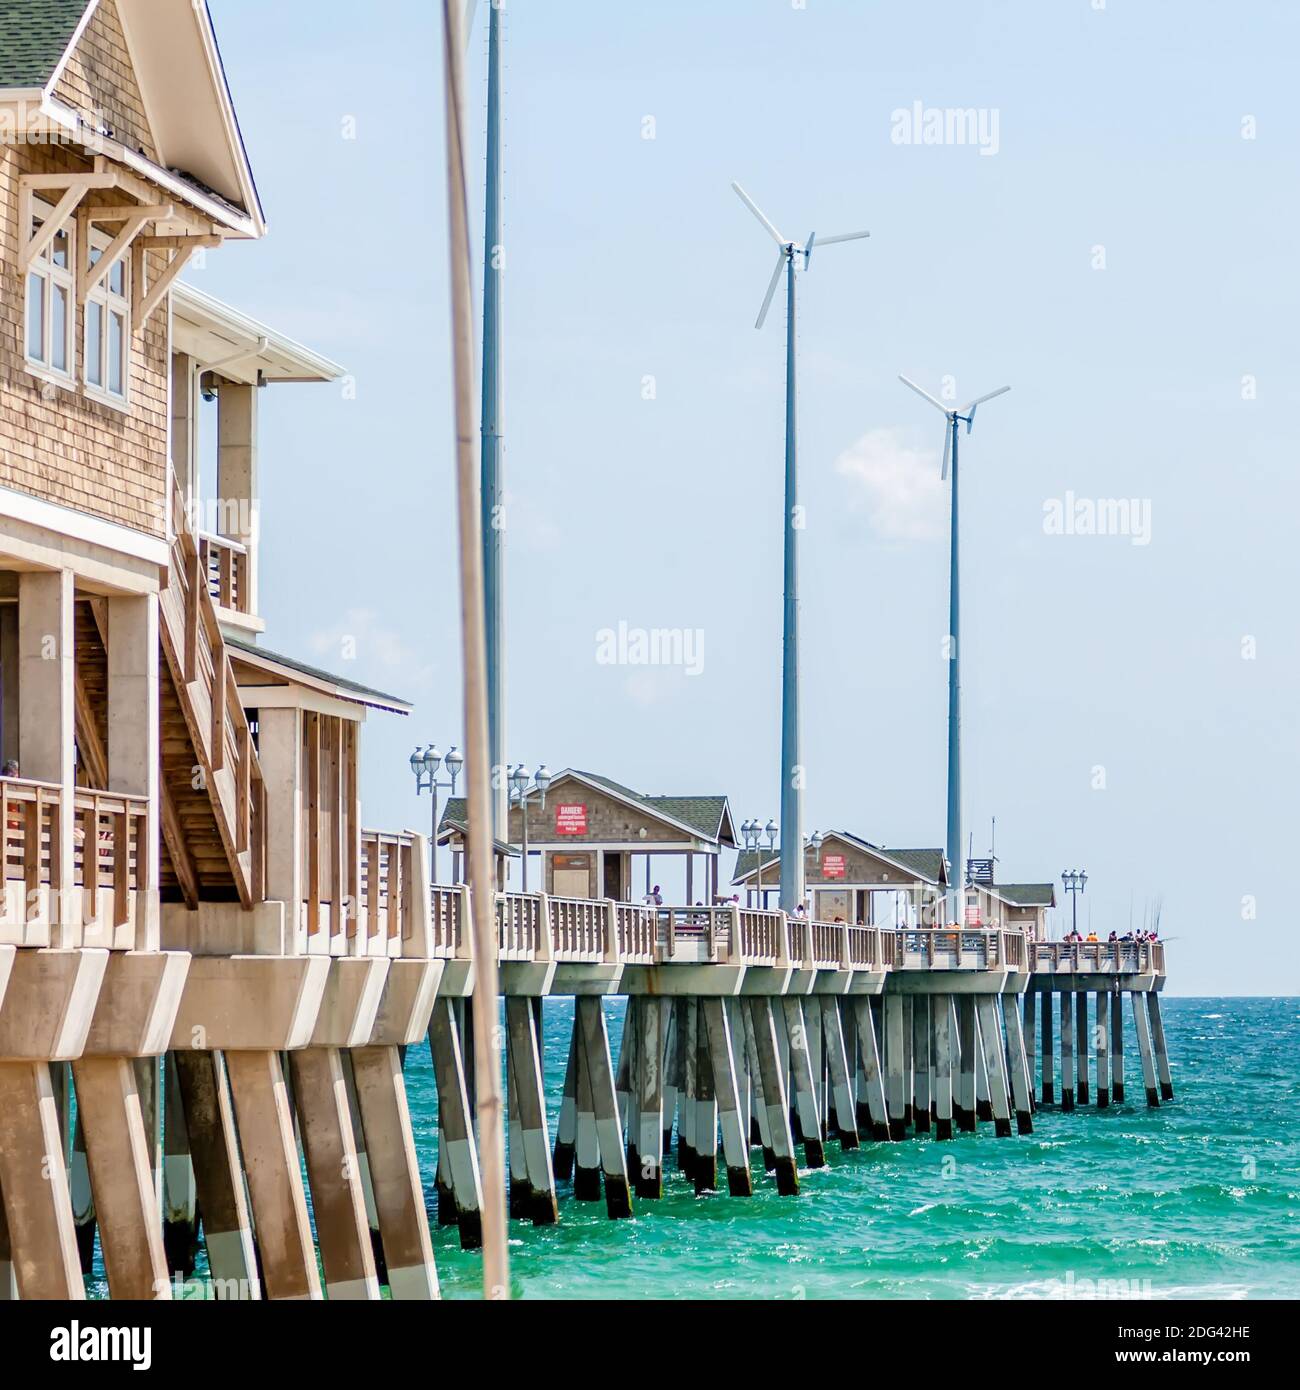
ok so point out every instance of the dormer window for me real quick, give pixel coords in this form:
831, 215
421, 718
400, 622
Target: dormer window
108, 332
50, 300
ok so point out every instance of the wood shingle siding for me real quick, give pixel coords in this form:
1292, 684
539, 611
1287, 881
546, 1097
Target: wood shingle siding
99, 82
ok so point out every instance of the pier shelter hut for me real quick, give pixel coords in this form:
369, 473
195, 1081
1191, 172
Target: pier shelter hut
453, 832
1016, 906
855, 880
600, 839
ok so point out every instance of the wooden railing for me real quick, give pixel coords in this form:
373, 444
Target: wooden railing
387, 876
213, 712
762, 936
225, 564
110, 855
519, 925
958, 948
638, 933
579, 928
450, 918
1099, 957
866, 948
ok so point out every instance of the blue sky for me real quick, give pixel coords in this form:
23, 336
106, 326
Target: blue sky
1171, 666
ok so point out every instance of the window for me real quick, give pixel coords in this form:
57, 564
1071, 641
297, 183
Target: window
50, 301
108, 330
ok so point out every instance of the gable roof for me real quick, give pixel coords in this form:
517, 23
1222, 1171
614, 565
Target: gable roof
926, 864
245, 649
1026, 894
34, 36
183, 87
703, 817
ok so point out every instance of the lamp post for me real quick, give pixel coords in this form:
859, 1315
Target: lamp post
425, 765
521, 794
753, 835
1074, 881
814, 843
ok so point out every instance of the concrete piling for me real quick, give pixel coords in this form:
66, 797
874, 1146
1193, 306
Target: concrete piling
941, 1051
1117, 1048
801, 1081
599, 1074
1018, 1065
180, 1213
1049, 1052
1067, 1051
1101, 1036
1081, 1048
541, 1203
766, 1057
995, 1064
566, 1124
455, 1123
1142, 1022
841, 1075
1030, 1035
1161, 1049
921, 1063
705, 1174
871, 1080
722, 1055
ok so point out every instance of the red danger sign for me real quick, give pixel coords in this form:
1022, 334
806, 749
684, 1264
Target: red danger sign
833, 866
570, 819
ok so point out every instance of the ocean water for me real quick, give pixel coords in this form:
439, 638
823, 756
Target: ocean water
1200, 1198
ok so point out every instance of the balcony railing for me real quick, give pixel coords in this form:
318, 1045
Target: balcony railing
225, 563
110, 863
952, 948
385, 901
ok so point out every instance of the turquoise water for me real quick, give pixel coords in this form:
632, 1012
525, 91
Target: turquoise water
1200, 1198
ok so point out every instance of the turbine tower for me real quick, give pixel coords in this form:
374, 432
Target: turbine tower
952, 418
792, 878
491, 489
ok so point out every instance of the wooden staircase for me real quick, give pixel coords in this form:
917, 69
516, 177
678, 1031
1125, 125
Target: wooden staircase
214, 798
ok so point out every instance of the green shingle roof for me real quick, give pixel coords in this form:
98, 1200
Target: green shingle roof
246, 644
1027, 894
34, 35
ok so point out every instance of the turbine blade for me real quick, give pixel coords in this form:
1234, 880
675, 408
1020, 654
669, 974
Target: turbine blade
754, 208
979, 400
844, 236
938, 405
771, 289
947, 450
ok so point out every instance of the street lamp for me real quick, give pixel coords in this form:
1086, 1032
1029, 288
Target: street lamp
1074, 881
425, 765
521, 794
753, 835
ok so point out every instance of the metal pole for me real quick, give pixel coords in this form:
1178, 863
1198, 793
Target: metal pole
791, 767
478, 789
956, 887
523, 811
492, 519
433, 839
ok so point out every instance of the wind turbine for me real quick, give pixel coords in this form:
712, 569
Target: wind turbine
952, 418
792, 877
491, 488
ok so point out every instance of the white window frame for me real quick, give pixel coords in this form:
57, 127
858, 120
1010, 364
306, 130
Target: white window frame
110, 303
53, 277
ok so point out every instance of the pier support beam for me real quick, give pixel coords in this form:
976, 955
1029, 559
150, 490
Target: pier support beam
320, 1096
126, 1200
722, 1055
1101, 1035
1117, 1048
941, 1052
706, 1107
1030, 1035
455, 1124
841, 1075
1067, 1051
218, 1175
566, 1123
529, 1113
1142, 1022
766, 1059
34, 1183
968, 1041
599, 1072
1018, 1065
871, 1083
921, 1063
394, 1173
180, 1215
895, 1081
687, 1054
1161, 1048
1081, 1048
275, 1188
995, 1064
802, 1082
1049, 1052
83, 1197
648, 1092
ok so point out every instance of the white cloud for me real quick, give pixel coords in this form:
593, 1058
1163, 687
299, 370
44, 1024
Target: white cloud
897, 483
